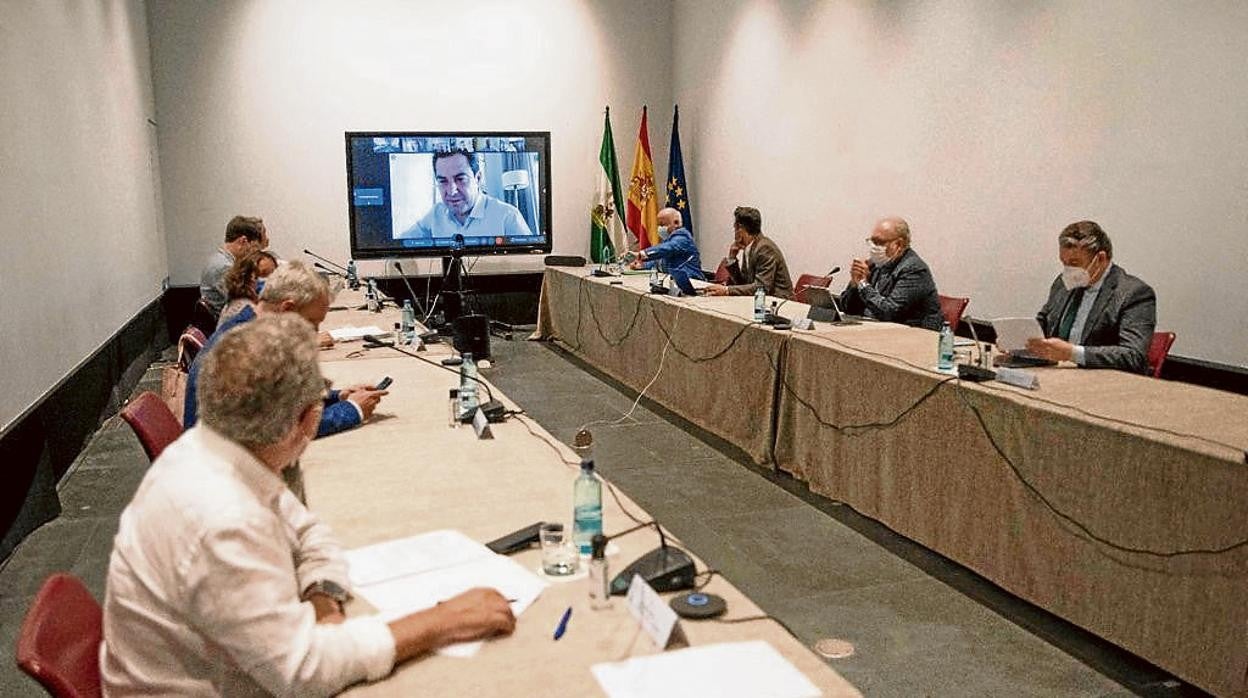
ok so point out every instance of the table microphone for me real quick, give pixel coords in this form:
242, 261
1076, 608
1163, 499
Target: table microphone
310, 253
833, 272
327, 270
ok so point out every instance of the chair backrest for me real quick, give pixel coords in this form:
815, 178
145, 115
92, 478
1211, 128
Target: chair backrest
806, 280
59, 643
721, 273
1158, 350
152, 422
189, 345
952, 308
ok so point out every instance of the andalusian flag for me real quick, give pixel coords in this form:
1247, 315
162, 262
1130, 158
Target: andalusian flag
606, 232
642, 213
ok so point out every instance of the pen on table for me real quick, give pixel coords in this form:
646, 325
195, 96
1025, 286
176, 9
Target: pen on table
563, 623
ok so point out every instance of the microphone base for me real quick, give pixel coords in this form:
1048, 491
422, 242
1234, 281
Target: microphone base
664, 569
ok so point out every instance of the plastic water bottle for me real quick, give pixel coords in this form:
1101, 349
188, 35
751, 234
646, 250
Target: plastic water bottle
586, 508
353, 278
599, 576
408, 324
467, 387
760, 304
370, 297
944, 355
654, 276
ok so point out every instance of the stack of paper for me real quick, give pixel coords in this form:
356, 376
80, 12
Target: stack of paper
406, 575
728, 670
351, 334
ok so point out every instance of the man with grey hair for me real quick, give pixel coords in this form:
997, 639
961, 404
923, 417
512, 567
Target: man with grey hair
1097, 315
220, 582
293, 288
893, 284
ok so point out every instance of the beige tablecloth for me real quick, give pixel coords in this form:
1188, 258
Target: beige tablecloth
1113, 500
408, 471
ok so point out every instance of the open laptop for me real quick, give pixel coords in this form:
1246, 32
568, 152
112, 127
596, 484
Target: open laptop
823, 308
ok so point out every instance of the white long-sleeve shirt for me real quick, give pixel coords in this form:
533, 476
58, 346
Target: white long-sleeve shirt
205, 579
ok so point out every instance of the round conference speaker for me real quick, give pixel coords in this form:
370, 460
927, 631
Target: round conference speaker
471, 334
697, 605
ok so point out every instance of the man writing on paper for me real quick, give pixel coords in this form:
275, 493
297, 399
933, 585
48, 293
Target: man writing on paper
677, 252
464, 209
761, 264
894, 284
220, 582
1097, 315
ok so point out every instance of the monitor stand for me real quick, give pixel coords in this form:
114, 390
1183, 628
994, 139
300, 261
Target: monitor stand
456, 298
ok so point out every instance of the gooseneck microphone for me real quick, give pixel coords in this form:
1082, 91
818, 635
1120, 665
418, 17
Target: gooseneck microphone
327, 270
833, 272
310, 253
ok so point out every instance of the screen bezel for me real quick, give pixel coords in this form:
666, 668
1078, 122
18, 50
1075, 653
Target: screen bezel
398, 251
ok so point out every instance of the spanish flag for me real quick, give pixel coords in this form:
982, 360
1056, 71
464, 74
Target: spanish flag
642, 209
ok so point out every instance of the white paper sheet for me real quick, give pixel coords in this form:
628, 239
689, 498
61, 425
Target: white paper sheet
1013, 332
351, 334
406, 575
728, 670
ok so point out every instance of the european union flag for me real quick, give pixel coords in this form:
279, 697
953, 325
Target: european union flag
677, 190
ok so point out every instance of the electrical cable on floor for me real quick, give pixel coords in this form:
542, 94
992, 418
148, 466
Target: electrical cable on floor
629, 414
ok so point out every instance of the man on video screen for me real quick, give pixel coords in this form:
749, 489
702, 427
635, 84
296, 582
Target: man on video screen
464, 209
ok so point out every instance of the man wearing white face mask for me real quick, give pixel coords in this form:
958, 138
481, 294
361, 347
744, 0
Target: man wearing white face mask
1097, 315
894, 284
676, 252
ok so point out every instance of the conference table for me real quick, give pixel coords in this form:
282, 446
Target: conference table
408, 471
1113, 500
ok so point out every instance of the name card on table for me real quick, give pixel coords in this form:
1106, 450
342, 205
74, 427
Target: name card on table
481, 425
655, 617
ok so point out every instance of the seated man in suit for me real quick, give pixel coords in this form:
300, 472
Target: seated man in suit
676, 252
761, 263
1097, 315
894, 284
220, 583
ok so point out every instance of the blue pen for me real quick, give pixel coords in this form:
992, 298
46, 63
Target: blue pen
563, 623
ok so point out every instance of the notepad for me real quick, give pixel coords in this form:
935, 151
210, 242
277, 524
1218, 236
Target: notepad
405, 575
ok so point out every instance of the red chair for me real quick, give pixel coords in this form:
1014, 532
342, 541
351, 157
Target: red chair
722, 277
952, 308
189, 345
152, 422
1158, 350
59, 643
806, 280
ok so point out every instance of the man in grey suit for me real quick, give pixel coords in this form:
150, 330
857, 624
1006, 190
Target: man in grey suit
762, 263
894, 285
1097, 315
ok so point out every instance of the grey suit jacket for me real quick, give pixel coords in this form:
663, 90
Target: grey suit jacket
901, 291
767, 267
1120, 326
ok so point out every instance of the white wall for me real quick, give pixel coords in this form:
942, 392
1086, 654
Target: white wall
990, 126
79, 195
253, 100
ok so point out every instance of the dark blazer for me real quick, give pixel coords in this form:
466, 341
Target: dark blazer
901, 290
767, 268
1119, 327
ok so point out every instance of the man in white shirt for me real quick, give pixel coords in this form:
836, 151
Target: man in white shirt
220, 582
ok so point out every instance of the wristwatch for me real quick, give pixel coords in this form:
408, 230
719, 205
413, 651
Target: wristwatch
331, 589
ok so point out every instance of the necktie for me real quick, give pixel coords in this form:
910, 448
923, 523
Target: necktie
1068, 319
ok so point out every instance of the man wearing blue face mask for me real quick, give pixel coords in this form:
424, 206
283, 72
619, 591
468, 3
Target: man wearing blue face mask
676, 251
1097, 315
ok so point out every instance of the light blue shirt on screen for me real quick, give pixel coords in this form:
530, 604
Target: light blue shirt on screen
490, 217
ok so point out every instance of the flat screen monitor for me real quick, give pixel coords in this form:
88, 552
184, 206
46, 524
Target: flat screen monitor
437, 194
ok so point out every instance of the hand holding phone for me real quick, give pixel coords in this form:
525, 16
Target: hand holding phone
385, 383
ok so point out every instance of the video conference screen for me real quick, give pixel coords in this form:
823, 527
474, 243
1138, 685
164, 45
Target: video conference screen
436, 194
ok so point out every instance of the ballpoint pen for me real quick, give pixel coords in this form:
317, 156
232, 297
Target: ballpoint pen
563, 623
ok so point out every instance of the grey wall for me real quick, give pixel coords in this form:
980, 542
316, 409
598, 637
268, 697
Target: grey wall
79, 196
990, 126
253, 99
